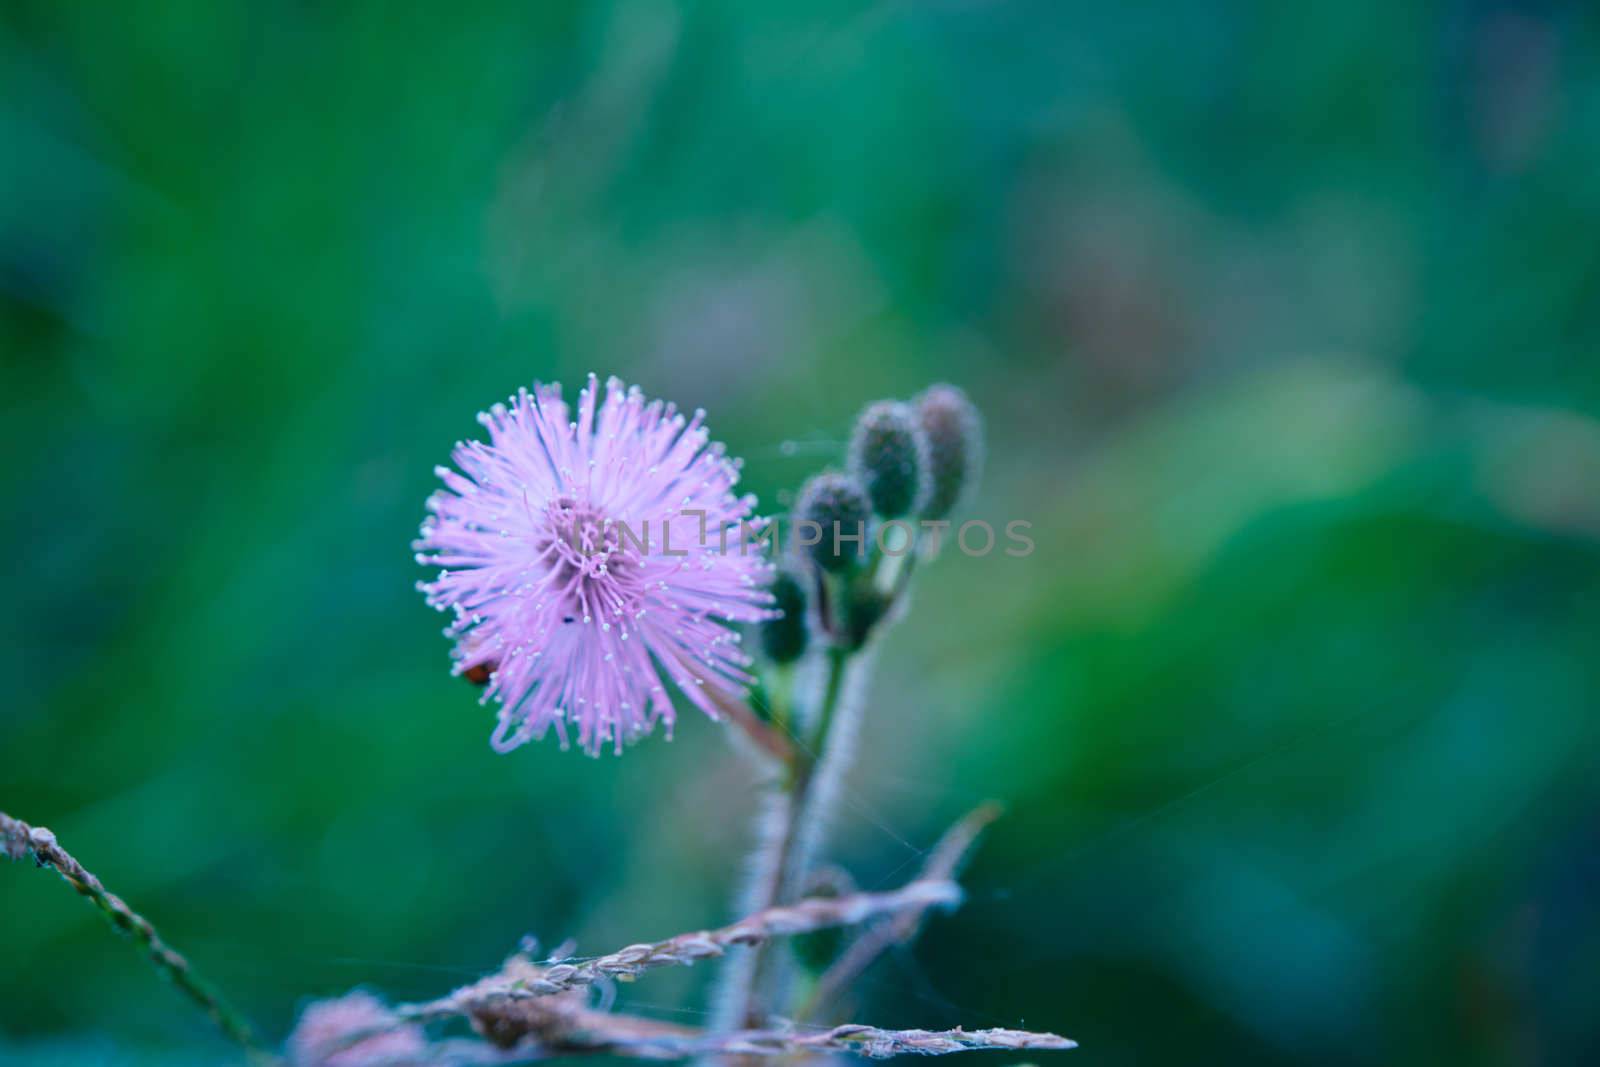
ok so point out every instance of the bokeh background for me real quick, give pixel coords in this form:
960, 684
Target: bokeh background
1284, 319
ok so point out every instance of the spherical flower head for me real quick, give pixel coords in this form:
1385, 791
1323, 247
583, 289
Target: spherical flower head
889, 454
954, 432
832, 514
587, 560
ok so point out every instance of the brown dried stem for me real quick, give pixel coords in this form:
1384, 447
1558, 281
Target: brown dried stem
529, 1012
805, 916
646, 1040
853, 1038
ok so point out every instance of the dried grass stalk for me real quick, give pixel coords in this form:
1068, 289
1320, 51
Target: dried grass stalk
520, 980
18, 841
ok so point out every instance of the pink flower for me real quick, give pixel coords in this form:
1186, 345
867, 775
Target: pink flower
583, 559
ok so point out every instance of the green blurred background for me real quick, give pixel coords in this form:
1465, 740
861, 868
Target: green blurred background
1284, 319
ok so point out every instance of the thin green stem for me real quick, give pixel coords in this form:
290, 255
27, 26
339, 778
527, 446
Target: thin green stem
838, 660
781, 694
18, 839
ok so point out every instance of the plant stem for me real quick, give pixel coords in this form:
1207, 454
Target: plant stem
18, 839
522, 980
838, 661
768, 738
784, 858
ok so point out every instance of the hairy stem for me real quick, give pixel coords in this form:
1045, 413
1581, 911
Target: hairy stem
793, 832
19, 840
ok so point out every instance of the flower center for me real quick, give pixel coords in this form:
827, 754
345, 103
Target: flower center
596, 568
584, 540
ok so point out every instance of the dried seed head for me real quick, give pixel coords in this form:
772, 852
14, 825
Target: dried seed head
352, 1031
832, 515
784, 638
889, 454
954, 432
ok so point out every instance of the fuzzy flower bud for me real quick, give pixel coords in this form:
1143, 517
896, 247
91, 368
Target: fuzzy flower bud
954, 432
889, 454
784, 638
831, 520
